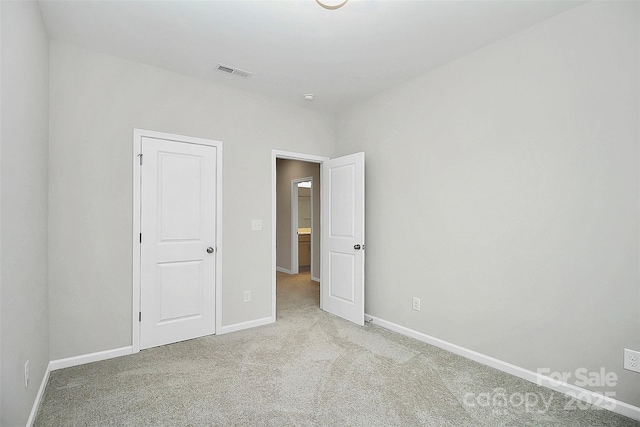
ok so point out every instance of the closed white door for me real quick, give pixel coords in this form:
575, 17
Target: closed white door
343, 237
178, 224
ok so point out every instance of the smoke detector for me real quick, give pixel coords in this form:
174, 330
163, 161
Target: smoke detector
235, 71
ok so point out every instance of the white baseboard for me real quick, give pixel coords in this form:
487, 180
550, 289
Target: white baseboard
315, 279
91, 357
592, 397
245, 325
36, 403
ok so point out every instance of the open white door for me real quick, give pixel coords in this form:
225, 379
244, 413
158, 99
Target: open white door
178, 241
343, 237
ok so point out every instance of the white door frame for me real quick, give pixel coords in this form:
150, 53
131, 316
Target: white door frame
278, 154
138, 134
295, 267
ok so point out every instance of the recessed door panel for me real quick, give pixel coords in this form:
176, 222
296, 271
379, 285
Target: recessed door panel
342, 201
342, 276
180, 199
181, 290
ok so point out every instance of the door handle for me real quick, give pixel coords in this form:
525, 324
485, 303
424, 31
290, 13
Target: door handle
357, 247
210, 250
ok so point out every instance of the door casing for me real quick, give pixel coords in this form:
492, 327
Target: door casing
138, 134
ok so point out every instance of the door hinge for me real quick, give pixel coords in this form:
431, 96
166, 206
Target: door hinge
140, 156
140, 237
139, 316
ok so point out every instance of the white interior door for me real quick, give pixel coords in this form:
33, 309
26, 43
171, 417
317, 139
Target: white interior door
178, 224
343, 237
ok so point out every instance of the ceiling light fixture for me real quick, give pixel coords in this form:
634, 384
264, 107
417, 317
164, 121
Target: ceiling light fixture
332, 4
309, 96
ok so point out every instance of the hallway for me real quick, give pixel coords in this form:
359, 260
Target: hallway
296, 292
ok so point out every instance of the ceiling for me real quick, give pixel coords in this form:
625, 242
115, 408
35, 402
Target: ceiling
294, 47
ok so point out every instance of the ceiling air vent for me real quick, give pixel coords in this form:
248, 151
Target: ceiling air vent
234, 71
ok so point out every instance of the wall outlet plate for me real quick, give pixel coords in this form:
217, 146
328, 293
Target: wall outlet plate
256, 224
416, 304
632, 360
247, 296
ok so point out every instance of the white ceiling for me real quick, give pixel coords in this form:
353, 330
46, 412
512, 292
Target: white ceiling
294, 47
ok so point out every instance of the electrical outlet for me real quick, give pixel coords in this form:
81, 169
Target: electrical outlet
632, 360
416, 304
26, 374
247, 296
256, 224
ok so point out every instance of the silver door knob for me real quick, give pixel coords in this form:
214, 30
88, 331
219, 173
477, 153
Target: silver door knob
209, 250
356, 247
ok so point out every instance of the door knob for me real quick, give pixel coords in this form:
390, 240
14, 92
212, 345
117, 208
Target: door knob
210, 250
356, 247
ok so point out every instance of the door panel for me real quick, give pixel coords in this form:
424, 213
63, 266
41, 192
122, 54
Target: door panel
342, 197
342, 266
179, 200
180, 290
343, 237
178, 223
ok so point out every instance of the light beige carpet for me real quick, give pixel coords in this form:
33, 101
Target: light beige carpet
308, 369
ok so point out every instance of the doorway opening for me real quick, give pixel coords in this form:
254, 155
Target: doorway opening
296, 223
297, 229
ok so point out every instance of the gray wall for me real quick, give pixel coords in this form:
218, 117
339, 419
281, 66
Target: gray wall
502, 189
23, 266
96, 102
288, 170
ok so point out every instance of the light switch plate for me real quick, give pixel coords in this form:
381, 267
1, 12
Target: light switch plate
256, 224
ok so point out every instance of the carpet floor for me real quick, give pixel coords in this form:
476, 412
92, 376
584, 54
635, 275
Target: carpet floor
307, 369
